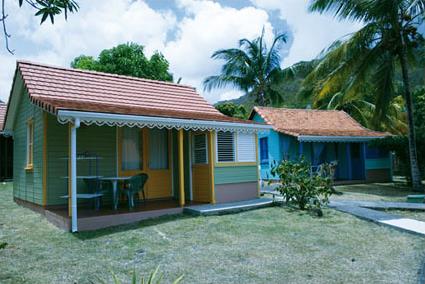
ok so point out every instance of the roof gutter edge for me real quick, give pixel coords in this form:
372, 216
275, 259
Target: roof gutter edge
311, 138
65, 116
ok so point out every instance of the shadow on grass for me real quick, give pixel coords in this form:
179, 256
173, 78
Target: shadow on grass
87, 235
293, 209
379, 189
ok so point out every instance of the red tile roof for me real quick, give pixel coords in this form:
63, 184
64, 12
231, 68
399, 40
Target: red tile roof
299, 122
3, 108
56, 88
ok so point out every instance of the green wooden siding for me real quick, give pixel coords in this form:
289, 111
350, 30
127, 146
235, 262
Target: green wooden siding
236, 174
374, 164
93, 140
28, 184
57, 149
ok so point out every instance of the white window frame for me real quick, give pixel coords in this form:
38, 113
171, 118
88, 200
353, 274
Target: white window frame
253, 140
30, 144
235, 150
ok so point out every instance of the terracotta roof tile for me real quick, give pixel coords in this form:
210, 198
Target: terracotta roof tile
3, 108
55, 88
298, 122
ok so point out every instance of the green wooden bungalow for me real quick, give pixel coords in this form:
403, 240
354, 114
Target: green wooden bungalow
322, 136
6, 149
85, 141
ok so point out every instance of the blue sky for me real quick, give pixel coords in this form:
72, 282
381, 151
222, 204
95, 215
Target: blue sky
187, 32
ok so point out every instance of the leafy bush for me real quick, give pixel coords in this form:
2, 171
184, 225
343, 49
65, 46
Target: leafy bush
299, 185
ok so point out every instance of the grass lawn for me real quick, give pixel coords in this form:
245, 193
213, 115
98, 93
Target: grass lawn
263, 246
374, 192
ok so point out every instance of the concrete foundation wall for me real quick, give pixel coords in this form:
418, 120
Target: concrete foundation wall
236, 192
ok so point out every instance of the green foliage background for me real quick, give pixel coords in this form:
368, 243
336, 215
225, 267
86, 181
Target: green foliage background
127, 59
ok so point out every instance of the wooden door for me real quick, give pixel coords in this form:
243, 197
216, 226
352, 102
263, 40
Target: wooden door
201, 180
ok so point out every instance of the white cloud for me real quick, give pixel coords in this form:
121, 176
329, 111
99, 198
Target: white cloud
207, 27
98, 25
312, 32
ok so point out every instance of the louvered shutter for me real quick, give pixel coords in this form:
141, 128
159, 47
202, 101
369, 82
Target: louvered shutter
225, 147
200, 155
246, 147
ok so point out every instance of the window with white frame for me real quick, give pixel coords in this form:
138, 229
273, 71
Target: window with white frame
200, 150
30, 143
235, 147
225, 147
246, 147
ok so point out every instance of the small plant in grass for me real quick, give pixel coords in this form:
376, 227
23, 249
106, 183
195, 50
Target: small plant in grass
300, 186
155, 277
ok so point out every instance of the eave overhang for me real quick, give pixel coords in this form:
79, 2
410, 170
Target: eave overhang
109, 119
359, 139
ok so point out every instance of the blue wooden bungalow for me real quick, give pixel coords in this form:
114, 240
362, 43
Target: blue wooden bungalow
84, 142
321, 136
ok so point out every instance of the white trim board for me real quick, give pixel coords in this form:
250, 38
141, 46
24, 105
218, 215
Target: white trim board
89, 118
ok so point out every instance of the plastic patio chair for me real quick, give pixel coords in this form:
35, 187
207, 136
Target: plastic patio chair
135, 185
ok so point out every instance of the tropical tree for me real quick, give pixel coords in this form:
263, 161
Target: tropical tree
252, 68
232, 109
385, 42
127, 59
44, 9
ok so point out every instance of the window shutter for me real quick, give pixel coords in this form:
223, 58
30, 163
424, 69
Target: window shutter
246, 147
225, 147
200, 155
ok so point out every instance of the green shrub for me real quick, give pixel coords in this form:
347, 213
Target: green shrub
155, 277
300, 186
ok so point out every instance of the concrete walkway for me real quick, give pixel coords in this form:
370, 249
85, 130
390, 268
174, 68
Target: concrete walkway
230, 207
364, 210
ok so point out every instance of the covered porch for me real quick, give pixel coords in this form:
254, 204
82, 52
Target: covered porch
177, 155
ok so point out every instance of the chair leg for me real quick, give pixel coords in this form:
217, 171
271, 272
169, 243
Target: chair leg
144, 197
129, 199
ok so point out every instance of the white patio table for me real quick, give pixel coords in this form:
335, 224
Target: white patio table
114, 181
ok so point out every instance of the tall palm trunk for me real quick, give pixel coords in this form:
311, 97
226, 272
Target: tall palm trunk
414, 168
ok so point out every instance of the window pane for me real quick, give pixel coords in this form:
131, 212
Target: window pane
225, 147
30, 138
131, 149
158, 149
246, 147
264, 150
200, 149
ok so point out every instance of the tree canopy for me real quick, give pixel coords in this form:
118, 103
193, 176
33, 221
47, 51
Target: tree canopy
127, 59
231, 109
365, 62
253, 68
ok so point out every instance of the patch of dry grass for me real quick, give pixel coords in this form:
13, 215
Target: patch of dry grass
271, 245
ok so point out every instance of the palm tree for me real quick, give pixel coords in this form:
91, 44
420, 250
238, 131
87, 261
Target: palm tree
384, 43
252, 68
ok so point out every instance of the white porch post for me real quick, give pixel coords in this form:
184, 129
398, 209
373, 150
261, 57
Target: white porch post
73, 176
